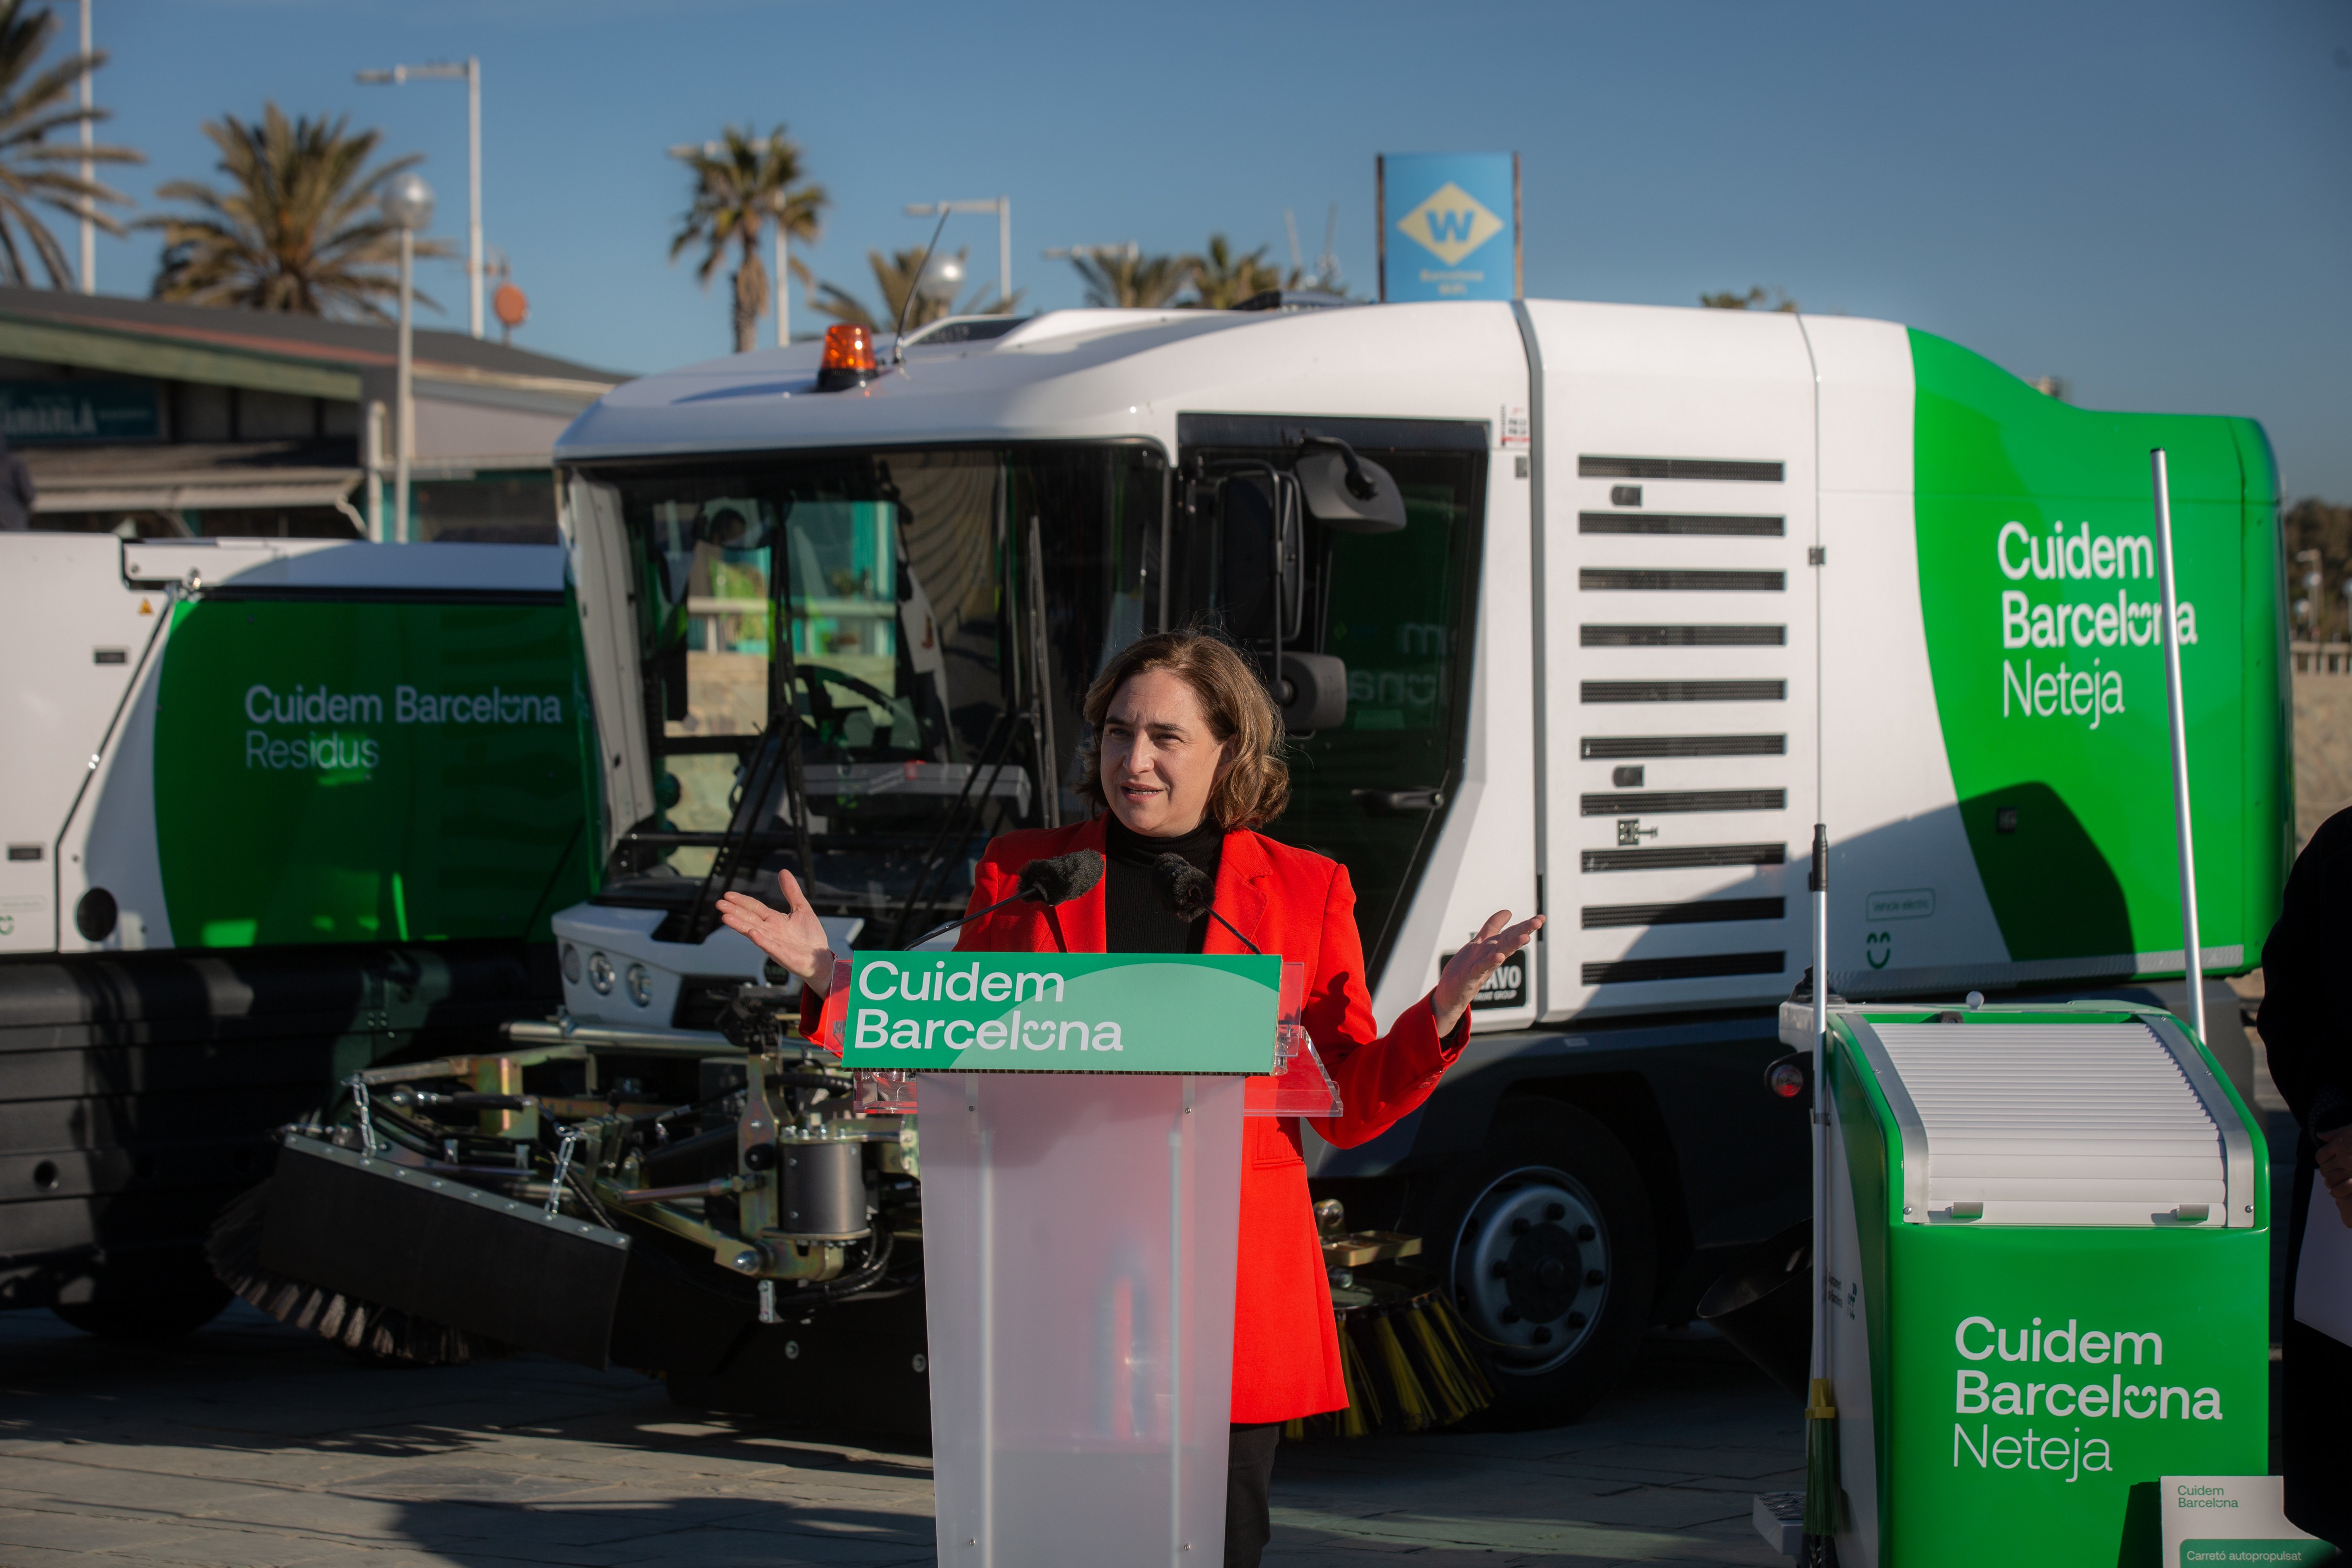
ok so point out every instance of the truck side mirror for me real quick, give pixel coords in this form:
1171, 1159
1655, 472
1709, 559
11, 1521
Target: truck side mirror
1344, 492
1312, 691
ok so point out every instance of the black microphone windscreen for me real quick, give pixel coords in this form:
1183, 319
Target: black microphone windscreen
1184, 889
1062, 878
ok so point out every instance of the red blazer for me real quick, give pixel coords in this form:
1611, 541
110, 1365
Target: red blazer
1300, 905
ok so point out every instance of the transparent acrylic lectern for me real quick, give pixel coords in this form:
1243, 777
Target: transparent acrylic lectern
1080, 1208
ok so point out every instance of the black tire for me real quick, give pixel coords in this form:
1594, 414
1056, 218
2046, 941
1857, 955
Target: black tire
165, 1316
1544, 1238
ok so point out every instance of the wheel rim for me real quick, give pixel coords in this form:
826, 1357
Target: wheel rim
1532, 1268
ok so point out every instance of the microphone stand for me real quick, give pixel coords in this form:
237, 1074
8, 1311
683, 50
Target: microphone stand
1025, 896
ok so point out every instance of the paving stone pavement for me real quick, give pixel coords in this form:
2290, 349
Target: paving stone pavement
251, 1446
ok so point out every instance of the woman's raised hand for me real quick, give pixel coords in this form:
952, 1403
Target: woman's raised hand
795, 939
1481, 956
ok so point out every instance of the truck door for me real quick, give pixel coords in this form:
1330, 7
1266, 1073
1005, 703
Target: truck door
1389, 616
1680, 620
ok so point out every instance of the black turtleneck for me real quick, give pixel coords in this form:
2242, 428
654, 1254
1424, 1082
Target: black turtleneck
1133, 920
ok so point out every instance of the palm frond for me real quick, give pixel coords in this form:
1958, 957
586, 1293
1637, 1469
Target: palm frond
1133, 282
296, 227
749, 182
37, 170
1221, 279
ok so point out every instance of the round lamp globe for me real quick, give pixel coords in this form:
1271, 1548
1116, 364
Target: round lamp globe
942, 281
407, 201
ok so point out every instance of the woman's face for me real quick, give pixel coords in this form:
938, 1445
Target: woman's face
1159, 758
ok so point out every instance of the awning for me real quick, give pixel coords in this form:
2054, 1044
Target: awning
171, 493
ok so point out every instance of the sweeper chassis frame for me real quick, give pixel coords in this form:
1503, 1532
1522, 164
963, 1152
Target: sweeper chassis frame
594, 1136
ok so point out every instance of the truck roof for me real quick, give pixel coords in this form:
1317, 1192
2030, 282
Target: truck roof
1093, 374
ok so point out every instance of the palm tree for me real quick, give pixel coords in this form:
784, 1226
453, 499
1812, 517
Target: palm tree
894, 275
1130, 280
33, 168
1221, 281
297, 228
739, 190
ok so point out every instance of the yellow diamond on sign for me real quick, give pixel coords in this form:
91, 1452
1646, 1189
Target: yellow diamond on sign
1451, 224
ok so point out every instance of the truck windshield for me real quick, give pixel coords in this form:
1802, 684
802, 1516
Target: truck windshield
947, 610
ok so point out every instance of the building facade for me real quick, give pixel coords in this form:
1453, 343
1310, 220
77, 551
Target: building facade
150, 419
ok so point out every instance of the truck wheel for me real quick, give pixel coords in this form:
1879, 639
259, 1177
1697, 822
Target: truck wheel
157, 1316
1544, 1237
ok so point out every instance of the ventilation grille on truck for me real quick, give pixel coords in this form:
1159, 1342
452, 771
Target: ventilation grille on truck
1616, 803
1626, 971
1681, 522
1685, 691
2054, 1124
1680, 857
1589, 468
1637, 580
1690, 911
1603, 748
1685, 636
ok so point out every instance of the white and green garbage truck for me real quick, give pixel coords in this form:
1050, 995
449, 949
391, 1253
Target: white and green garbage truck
1670, 587
273, 809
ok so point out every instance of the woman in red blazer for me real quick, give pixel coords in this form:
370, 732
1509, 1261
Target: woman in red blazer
1183, 753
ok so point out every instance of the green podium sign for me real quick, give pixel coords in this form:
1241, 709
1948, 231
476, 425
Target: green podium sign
1019, 1012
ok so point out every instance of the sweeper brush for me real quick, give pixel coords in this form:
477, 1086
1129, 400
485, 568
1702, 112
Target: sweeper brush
365, 1328
394, 1261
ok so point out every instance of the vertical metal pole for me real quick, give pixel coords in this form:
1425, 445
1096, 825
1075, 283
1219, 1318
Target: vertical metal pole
1519, 237
1380, 222
1818, 883
784, 279
474, 270
371, 460
1004, 252
2192, 951
405, 410
89, 169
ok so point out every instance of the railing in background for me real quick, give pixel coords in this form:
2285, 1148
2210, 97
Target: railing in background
2321, 657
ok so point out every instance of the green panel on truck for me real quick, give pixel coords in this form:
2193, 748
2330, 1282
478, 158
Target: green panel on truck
404, 771
2039, 587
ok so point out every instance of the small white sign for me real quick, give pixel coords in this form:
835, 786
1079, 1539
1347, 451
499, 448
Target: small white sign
1903, 904
1517, 431
2213, 1520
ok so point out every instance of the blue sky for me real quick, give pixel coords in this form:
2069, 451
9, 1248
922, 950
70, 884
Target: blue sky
2152, 200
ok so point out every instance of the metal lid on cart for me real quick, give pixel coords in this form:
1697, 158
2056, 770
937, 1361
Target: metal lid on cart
2050, 1122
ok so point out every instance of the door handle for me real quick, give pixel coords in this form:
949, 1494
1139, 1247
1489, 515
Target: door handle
1399, 802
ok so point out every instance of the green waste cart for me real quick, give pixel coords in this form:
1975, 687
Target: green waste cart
2048, 1278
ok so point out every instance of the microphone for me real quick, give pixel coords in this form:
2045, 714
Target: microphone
1186, 892
1061, 878
1046, 881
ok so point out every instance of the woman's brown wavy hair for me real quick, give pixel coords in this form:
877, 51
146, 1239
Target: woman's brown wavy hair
1256, 788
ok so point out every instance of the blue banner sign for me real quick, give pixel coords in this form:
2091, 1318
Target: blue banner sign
1449, 225
36, 412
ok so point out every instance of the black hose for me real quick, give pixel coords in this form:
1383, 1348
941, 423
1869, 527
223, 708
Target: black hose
875, 1265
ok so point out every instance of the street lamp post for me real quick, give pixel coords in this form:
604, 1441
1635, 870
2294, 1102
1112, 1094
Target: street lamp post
407, 201
470, 73
89, 169
1003, 208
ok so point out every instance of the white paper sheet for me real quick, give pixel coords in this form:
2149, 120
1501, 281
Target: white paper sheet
2323, 1281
